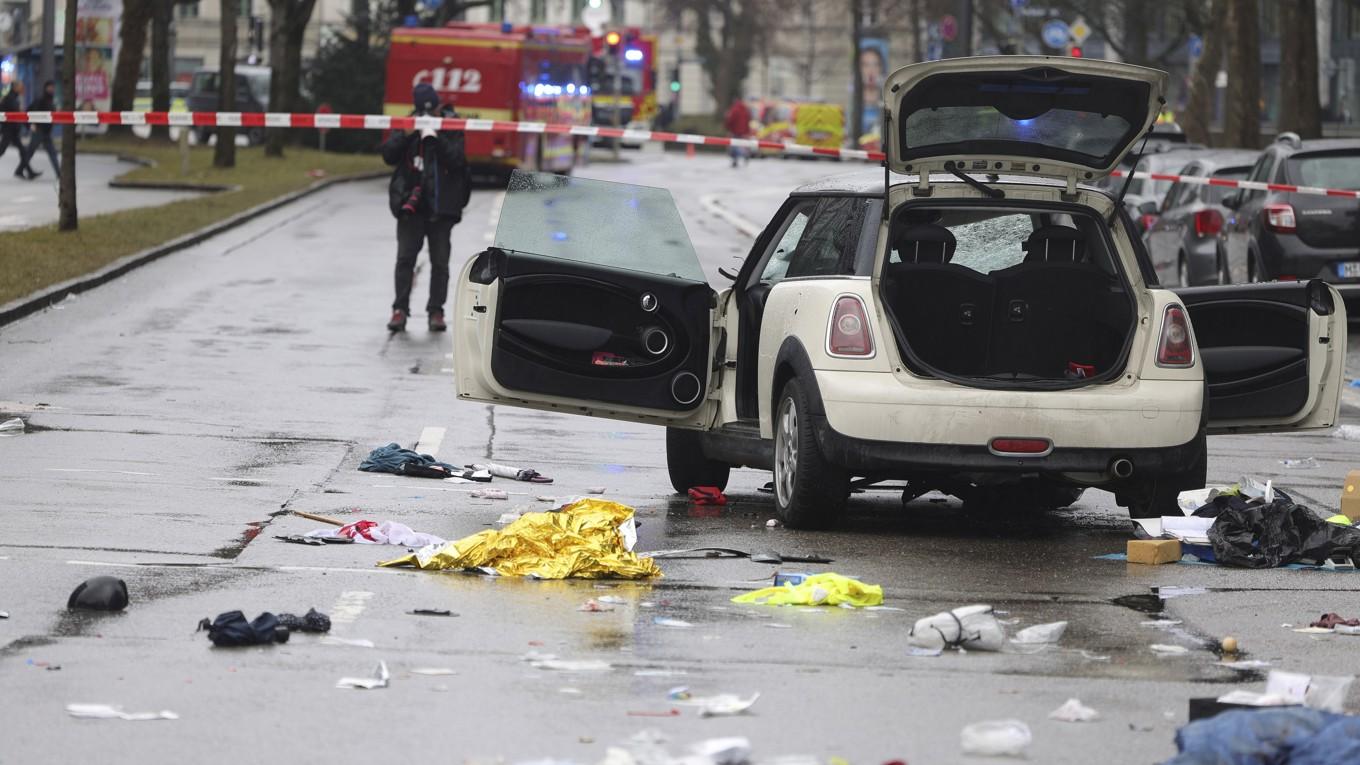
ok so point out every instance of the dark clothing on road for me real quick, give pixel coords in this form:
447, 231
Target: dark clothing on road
41, 136
412, 232
430, 186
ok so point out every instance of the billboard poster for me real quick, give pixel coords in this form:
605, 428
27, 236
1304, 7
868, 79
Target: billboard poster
96, 51
873, 69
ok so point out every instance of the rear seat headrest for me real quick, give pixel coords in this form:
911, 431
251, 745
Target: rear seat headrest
1055, 244
924, 243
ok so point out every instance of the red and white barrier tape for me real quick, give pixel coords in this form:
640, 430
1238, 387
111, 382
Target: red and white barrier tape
384, 122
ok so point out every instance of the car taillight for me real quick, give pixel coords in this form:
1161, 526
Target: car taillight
1280, 218
1175, 348
1021, 445
848, 334
1147, 221
1208, 223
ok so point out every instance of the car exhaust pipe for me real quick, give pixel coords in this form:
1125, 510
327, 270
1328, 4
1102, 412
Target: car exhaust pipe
1121, 467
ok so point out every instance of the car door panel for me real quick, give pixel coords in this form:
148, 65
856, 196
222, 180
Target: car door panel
1273, 354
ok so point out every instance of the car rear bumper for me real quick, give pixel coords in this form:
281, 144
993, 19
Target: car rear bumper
884, 459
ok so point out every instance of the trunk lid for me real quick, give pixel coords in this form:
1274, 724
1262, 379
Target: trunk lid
1033, 115
1326, 222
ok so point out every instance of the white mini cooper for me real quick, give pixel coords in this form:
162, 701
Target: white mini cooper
973, 318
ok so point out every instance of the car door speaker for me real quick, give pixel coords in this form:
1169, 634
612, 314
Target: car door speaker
655, 341
686, 388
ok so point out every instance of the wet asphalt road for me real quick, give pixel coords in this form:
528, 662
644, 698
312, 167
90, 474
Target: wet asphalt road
178, 414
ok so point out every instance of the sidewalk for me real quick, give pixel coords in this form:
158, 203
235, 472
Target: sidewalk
34, 203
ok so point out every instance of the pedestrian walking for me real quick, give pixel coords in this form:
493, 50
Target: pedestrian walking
41, 134
430, 186
738, 125
11, 132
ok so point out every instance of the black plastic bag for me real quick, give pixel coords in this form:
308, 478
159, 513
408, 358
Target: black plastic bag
231, 629
100, 593
1266, 536
313, 621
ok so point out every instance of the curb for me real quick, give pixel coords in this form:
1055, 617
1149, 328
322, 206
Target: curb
18, 309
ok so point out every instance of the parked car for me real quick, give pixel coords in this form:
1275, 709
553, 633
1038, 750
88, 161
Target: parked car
1183, 242
1144, 196
252, 95
1288, 236
980, 322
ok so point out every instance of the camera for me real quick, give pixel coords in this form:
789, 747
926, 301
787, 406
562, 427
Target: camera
412, 203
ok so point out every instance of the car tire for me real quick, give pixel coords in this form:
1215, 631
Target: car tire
1224, 277
1255, 274
1160, 492
687, 465
809, 492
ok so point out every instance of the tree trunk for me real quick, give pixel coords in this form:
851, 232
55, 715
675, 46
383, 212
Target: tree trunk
856, 74
224, 155
1242, 111
1135, 32
132, 45
160, 62
1198, 117
917, 48
361, 18
287, 29
66, 190
1299, 108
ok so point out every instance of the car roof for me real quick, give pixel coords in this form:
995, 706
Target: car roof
1320, 144
1216, 158
869, 182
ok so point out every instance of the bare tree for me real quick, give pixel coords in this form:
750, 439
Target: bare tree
66, 189
132, 45
1198, 116
287, 27
1299, 106
224, 155
161, 12
725, 40
1242, 109
1124, 25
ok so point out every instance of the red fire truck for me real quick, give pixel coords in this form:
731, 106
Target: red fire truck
636, 52
498, 72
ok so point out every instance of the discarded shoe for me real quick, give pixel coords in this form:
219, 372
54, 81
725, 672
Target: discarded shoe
100, 593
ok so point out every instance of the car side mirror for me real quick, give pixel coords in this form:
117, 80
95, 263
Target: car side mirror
1232, 201
1148, 208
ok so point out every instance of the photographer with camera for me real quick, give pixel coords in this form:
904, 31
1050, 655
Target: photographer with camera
430, 186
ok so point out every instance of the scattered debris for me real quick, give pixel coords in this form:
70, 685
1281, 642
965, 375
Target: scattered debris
1347, 432
527, 475
595, 490
1228, 644
4, 614
571, 665
1041, 634
707, 495
773, 523
1073, 710
1307, 463
1276, 533
766, 556
378, 680
1244, 665
588, 539
660, 673
1331, 621
312, 621
1295, 736
109, 712
11, 427
433, 671
1162, 649
100, 593
379, 533
970, 627
1161, 623
490, 494
926, 652
595, 606
394, 459
819, 590
721, 705
612, 600
1153, 552
508, 518
996, 738
431, 612
299, 539
347, 642
662, 621
667, 713
231, 630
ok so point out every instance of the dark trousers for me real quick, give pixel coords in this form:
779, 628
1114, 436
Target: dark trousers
412, 232
6, 140
43, 139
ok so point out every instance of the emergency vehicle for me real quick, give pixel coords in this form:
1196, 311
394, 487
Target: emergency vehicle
498, 72
636, 52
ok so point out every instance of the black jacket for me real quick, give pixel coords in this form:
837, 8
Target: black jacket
43, 103
11, 103
442, 173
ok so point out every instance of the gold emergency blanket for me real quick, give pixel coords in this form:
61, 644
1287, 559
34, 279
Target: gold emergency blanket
582, 540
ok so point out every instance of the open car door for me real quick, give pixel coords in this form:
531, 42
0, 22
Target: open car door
592, 301
1071, 118
1274, 354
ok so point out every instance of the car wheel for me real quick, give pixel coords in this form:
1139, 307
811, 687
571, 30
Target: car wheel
1182, 271
1160, 492
1255, 273
687, 465
809, 492
1224, 277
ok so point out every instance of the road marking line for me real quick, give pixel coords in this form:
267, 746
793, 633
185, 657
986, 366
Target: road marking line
429, 441
709, 202
92, 470
349, 606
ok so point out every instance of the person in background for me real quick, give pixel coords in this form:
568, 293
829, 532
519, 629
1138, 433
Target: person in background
738, 125
11, 132
42, 134
430, 186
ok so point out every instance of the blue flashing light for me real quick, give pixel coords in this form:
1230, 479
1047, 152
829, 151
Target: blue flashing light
632, 54
559, 236
585, 90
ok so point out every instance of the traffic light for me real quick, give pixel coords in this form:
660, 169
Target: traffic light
612, 40
1074, 51
675, 80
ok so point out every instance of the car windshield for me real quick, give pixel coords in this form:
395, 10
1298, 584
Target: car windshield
617, 225
1212, 195
1330, 171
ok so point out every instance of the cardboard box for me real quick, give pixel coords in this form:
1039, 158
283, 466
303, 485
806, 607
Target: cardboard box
1350, 496
1155, 551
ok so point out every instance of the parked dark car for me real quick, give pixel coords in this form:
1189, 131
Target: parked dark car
1183, 241
252, 95
1143, 199
1274, 235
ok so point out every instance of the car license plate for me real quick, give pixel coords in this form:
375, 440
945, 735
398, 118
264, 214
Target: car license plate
1348, 270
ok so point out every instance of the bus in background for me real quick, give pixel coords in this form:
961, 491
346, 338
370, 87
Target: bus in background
630, 54
498, 72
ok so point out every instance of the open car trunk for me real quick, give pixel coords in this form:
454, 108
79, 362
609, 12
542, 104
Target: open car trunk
1010, 296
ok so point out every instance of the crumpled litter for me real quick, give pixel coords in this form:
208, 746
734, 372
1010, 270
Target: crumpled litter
1331, 621
588, 539
707, 495
312, 621
1277, 533
527, 475
394, 459
11, 427
231, 630
996, 738
817, 590
490, 494
1041, 634
974, 628
110, 712
1293, 735
378, 680
1164, 649
1073, 710
99, 593
720, 705
595, 606
552, 662
378, 533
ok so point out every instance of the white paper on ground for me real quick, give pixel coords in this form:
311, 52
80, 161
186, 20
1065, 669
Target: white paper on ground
721, 705
378, 680
1188, 528
434, 671
1041, 633
1153, 526
569, 665
1290, 686
996, 738
110, 712
350, 642
1073, 710
1253, 699
1162, 649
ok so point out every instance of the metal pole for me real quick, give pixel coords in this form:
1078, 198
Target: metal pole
618, 94
47, 66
